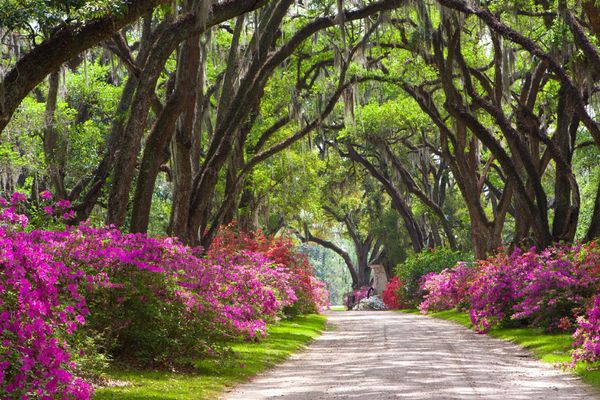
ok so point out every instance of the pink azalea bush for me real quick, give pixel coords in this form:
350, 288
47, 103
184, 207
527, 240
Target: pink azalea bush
71, 295
311, 295
538, 288
551, 289
587, 335
447, 289
42, 302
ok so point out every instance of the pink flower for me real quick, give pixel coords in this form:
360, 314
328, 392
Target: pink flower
17, 198
46, 195
22, 220
64, 203
48, 210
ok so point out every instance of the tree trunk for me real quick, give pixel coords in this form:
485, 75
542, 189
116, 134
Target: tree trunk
364, 271
594, 228
156, 146
53, 148
182, 185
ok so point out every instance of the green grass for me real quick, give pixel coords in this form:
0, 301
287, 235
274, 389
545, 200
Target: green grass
213, 377
548, 347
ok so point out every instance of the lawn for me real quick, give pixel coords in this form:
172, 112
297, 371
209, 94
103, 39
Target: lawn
214, 377
548, 347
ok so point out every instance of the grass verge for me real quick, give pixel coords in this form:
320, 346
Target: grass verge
548, 347
213, 377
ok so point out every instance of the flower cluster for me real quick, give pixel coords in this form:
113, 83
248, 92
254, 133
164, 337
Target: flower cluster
143, 298
20, 213
360, 293
548, 289
42, 301
392, 294
587, 335
310, 292
447, 289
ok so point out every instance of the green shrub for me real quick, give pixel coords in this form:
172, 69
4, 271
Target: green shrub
417, 265
140, 321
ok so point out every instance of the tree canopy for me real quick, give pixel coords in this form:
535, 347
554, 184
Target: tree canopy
376, 129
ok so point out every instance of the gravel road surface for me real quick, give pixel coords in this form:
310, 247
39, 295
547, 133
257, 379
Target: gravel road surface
389, 355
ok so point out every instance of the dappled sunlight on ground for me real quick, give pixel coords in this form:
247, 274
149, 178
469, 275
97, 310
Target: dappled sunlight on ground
386, 355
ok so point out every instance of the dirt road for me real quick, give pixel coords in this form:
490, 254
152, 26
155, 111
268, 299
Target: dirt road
388, 355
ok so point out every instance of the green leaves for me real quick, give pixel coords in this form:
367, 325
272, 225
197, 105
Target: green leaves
40, 17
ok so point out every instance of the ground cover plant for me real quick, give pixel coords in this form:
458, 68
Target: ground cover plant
212, 375
76, 296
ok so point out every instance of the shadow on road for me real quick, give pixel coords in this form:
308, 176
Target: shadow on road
386, 355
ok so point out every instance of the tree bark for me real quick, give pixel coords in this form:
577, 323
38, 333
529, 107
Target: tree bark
185, 26
594, 228
156, 150
53, 146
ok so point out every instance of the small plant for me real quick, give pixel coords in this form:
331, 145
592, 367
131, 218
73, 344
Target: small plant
447, 289
587, 335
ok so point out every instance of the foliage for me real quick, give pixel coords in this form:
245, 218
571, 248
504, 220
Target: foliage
48, 15
587, 335
448, 288
538, 288
418, 265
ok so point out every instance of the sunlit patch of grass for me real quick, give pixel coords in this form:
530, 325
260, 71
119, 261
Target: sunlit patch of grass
212, 376
549, 347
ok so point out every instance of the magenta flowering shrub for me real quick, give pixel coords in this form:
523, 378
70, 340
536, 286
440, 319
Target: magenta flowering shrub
311, 295
537, 288
447, 289
23, 214
548, 289
587, 335
147, 300
495, 290
561, 280
245, 291
42, 302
